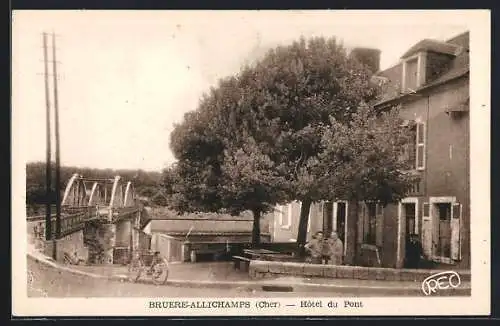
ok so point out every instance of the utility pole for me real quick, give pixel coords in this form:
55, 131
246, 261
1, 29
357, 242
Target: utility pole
58, 162
48, 174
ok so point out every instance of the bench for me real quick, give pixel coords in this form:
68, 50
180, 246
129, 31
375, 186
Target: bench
238, 260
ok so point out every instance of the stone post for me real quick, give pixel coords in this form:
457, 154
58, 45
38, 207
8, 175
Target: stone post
186, 252
109, 242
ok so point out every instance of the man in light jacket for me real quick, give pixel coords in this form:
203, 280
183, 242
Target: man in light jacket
335, 249
315, 248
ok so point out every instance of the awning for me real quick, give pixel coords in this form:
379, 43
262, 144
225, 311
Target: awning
462, 106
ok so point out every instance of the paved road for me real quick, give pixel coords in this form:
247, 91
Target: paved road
50, 282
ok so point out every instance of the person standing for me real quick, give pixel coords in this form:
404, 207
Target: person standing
414, 252
335, 249
315, 248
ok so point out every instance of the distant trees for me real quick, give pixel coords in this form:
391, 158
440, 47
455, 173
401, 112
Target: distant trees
146, 183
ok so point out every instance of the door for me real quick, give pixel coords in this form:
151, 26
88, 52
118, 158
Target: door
455, 224
444, 230
409, 210
409, 216
427, 230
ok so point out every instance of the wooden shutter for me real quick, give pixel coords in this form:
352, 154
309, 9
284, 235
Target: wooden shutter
420, 146
456, 216
361, 221
379, 236
426, 230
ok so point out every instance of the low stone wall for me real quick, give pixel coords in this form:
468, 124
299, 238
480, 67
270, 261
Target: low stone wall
69, 244
269, 269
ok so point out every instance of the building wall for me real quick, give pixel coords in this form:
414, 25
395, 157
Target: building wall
286, 229
123, 233
446, 173
169, 247
285, 223
447, 151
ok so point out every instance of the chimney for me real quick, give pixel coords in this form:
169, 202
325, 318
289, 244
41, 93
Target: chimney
368, 56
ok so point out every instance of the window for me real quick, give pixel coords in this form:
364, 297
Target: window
285, 216
408, 151
415, 188
420, 146
411, 75
444, 210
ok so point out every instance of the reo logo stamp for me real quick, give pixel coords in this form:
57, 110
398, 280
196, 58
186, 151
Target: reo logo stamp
440, 281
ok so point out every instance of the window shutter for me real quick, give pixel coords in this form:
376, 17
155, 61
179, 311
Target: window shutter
456, 216
420, 148
380, 225
361, 222
426, 230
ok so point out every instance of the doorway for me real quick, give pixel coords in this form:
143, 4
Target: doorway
443, 247
409, 215
408, 223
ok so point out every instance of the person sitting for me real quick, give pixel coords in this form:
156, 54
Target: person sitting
315, 248
335, 249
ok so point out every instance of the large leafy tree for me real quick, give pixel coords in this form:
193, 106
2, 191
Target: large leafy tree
221, 167
254, 139
296, 90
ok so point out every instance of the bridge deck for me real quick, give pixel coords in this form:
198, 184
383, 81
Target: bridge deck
73, 218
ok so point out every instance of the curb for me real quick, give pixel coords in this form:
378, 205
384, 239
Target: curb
267, 286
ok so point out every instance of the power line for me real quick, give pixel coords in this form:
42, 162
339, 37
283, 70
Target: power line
58, 162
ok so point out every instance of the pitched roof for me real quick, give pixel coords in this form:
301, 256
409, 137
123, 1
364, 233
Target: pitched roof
201, 226
432, 45
458, 66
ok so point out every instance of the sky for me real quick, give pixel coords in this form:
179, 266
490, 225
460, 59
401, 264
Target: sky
126, 77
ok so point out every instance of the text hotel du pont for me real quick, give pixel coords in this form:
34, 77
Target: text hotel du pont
261, 304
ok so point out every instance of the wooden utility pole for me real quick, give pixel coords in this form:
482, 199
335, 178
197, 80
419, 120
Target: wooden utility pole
58, 162
48, 174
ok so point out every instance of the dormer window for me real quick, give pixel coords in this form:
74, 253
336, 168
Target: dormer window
413, 73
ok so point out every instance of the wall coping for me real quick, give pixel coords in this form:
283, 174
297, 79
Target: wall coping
262, 269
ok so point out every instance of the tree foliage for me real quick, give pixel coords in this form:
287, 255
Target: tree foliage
261, 137
145, 182
361, 160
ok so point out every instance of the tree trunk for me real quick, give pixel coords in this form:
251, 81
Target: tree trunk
256, 227
303, 221
355, 213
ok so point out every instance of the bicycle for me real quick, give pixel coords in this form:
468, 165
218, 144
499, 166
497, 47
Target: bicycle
158, 272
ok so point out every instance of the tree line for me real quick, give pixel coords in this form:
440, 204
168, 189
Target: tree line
297, 125
145, 182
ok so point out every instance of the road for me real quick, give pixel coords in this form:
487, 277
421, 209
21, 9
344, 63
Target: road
50, 282
47, 281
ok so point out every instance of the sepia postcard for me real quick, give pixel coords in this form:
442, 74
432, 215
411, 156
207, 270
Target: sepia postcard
250, 163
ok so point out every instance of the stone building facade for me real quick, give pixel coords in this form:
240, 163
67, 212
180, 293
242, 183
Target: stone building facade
431, 83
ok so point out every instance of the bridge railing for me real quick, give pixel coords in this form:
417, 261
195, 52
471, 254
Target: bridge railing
72, 219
